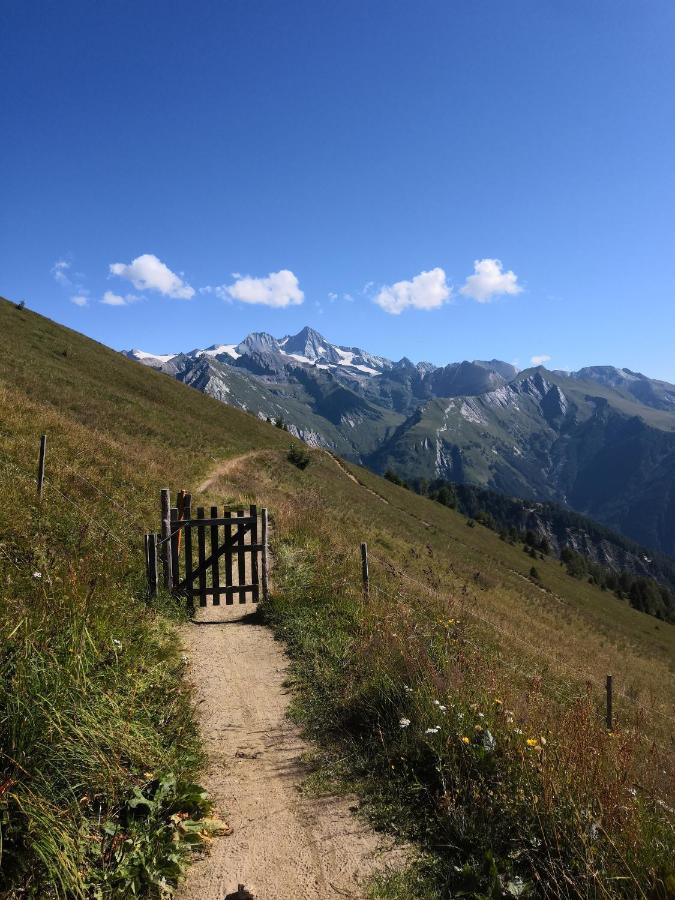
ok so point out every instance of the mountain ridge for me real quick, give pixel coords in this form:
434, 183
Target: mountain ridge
600, 440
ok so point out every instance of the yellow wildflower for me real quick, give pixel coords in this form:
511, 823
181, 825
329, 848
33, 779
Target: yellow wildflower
531, 742
465, 739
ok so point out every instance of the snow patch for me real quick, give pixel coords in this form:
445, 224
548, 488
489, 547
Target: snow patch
141, 354
220, 349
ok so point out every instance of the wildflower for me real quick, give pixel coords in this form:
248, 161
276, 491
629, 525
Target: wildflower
433, 730
517, 730
465, 740
116, 642
37, 574
542, 741
509, 720
407, 688
481, 715
440, 705
404, 722
478, 728
531, 742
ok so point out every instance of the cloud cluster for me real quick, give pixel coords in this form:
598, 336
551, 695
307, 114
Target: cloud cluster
278, 290
148, 273
540, 359
489, 280
428, 290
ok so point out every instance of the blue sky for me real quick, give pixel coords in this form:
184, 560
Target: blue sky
213, 168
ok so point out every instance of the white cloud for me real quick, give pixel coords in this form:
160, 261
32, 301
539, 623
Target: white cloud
147, 273
112, 299
60, 272
428, 290
332, 296
279, 289
79, 300
489, 280
540, 359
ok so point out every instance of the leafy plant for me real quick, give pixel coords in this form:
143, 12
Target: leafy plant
144, 850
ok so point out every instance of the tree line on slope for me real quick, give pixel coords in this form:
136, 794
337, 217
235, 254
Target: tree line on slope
539, 525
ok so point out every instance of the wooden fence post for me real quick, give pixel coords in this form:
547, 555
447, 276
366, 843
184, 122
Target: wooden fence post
364, 570
41, 465
265, 563
181, 513
175, 547
166, 538
609, 704
151, 540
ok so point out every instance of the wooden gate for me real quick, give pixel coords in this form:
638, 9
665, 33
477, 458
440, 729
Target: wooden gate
215, 556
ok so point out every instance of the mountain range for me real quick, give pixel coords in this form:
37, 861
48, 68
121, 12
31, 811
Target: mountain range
600, 441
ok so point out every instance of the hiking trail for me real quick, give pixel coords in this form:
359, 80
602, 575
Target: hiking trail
285, 845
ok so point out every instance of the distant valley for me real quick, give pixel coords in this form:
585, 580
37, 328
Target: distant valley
600, 441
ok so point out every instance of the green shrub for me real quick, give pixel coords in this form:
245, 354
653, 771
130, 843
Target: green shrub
299, 456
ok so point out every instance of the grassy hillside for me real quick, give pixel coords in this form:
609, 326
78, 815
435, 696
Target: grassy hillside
516, 787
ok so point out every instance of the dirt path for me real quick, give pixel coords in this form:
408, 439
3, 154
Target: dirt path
224, 468
284, 846
341, 466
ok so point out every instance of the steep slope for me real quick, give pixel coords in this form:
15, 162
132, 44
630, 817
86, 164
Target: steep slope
454, 618
545, 436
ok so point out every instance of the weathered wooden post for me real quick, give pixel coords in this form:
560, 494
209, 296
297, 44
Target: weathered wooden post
364, 570
151, 542
175, 538
181, 512
41, 465
265, 563
166, 538
187, 516
609, 704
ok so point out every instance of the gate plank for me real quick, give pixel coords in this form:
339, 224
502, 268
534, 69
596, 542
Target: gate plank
215, 559
254, 555
229, 599
175, 537
201, 549
189, 580
241, 559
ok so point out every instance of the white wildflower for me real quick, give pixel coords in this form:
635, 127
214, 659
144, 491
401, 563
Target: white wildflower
433, 730
116, 642
37, 574
404, 722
